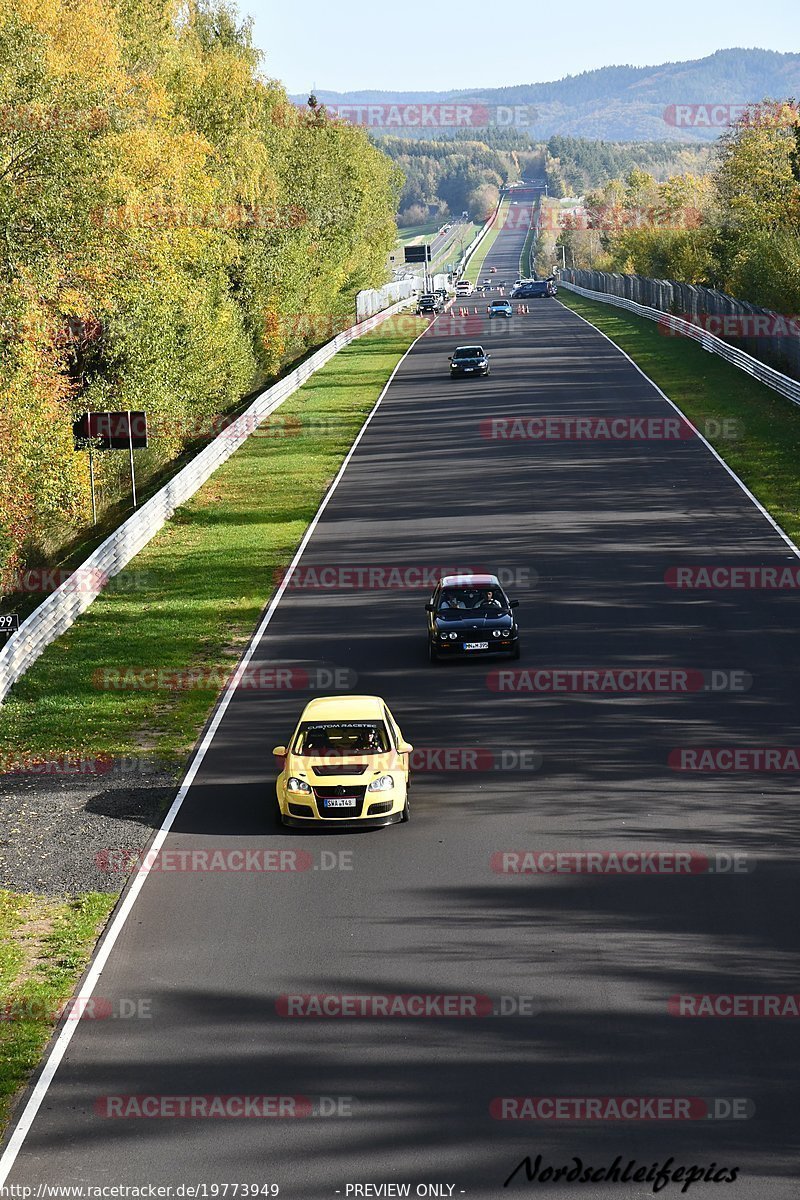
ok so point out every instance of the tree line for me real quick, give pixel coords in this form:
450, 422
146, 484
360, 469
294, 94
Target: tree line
170, 226
736, 229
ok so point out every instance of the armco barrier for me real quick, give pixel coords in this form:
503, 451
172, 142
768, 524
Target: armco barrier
714, 310
61, 608
790, 388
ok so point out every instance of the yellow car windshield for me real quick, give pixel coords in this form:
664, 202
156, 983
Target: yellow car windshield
340, 738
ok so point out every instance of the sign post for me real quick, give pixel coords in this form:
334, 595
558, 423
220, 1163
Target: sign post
91, 480
419, 254
130, 451
111, 431
9, 624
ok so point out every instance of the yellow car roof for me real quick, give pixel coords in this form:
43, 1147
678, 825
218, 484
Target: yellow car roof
344, 708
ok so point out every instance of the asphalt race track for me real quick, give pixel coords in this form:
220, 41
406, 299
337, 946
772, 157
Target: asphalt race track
586, 531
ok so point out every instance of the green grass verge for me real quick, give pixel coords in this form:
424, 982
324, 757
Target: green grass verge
475, 265
44, 947
195, 592
411, 234
761, 441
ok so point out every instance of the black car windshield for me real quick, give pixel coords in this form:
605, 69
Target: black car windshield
457, 602
338, 738
469, 352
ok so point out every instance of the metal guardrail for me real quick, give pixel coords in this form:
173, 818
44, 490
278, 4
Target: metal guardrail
771, 378
63, 606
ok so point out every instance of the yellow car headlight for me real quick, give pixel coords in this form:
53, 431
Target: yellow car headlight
298, 785
384, 784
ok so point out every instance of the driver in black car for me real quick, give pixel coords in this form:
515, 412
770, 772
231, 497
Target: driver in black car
490, 601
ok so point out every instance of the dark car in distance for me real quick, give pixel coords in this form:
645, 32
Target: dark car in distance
533, 290
471, 615
431, 303
469, 360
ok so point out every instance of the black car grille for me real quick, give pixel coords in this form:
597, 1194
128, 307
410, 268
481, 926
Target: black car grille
323, 793
341, 769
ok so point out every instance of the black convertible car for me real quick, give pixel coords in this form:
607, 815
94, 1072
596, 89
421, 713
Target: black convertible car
471, 614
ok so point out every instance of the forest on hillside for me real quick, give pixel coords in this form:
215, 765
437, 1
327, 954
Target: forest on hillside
625, 103
574, 165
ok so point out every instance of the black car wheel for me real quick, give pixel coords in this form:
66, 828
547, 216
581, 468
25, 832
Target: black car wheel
433, 657
515, 651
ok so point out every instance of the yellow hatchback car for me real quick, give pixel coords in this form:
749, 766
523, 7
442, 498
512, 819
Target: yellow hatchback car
346, 764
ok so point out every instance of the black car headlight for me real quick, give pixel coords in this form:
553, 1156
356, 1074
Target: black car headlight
497, 632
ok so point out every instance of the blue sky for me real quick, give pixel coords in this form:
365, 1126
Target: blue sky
433, 46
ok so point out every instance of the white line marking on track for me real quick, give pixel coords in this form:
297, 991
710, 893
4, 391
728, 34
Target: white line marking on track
100, 959
691, 425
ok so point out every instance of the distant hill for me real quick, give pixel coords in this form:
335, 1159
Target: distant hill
622, 103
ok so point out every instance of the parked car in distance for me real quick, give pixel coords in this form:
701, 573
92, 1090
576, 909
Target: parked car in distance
469, 360
463, 288
430, 304
532, 290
